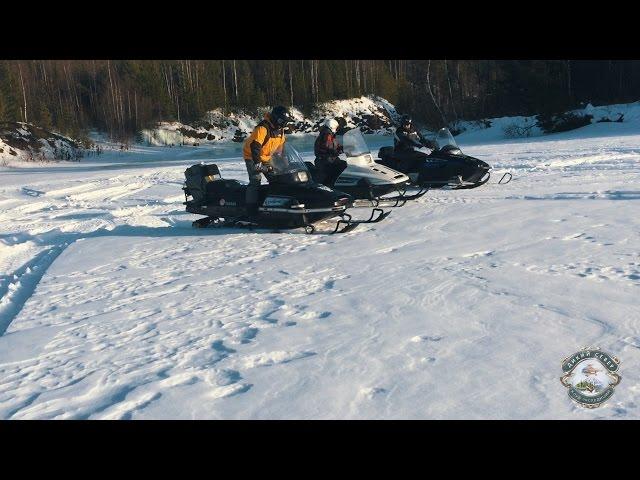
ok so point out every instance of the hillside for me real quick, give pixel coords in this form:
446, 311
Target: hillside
370, 114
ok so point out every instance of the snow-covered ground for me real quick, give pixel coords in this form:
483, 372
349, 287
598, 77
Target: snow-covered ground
460, 305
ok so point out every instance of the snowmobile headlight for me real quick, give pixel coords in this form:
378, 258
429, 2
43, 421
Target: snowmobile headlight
302, 176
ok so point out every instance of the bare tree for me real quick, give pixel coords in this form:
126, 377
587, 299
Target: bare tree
224, 86
433, 98
24, 94
235, 79
291, 83
453, 104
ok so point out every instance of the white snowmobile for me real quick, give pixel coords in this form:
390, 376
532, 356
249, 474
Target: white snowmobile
367, 181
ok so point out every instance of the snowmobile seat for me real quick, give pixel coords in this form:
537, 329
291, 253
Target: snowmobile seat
196, 179
229, 190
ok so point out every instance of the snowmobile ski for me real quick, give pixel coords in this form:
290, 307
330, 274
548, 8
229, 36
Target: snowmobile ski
343, 225
500, 182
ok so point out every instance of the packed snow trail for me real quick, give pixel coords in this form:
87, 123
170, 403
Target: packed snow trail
459, 305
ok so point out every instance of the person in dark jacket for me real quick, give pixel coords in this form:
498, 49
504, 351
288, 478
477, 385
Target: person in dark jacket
405, 141
327, 149
266, 139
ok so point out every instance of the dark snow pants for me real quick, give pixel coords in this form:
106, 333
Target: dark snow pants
329, 169
253, 189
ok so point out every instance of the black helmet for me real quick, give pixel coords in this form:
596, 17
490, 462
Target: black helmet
405, 120
280, 116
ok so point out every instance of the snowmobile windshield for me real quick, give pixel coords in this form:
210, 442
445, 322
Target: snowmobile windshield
354, 144
287, 160
445, 140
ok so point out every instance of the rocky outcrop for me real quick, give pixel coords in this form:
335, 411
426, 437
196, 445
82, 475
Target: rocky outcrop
370, 114
27, 142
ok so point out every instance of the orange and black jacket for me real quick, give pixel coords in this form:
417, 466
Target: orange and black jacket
326, 145
263, 142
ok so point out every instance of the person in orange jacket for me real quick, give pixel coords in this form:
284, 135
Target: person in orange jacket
266, 139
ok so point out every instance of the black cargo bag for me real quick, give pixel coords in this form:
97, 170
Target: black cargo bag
196, 179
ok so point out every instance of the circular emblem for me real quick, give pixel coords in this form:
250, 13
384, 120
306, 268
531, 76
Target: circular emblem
590, 376
222, 202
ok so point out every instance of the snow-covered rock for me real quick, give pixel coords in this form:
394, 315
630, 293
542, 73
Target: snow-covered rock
371, 114
26, 142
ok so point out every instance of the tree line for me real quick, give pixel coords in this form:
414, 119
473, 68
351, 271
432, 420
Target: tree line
121, 97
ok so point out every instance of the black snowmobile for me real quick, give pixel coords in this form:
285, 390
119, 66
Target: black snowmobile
367, 181
444, 167
290, 199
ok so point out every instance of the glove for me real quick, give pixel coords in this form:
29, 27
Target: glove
264, 168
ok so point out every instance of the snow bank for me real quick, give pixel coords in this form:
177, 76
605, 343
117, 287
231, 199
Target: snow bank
26, 142
501, 128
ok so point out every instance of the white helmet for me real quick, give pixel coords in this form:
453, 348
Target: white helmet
332, 124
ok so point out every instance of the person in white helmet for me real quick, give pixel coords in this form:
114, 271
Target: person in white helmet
327, 149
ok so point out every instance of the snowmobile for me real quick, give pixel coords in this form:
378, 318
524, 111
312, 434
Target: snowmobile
367, 181
290, 200
445, 167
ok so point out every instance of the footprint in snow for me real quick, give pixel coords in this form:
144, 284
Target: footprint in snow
226, 377
230, 390
426, 338
273, 358
372, 392
487, 253
245, 335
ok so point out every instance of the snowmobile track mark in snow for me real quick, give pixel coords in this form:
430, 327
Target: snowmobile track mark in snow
23, 283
